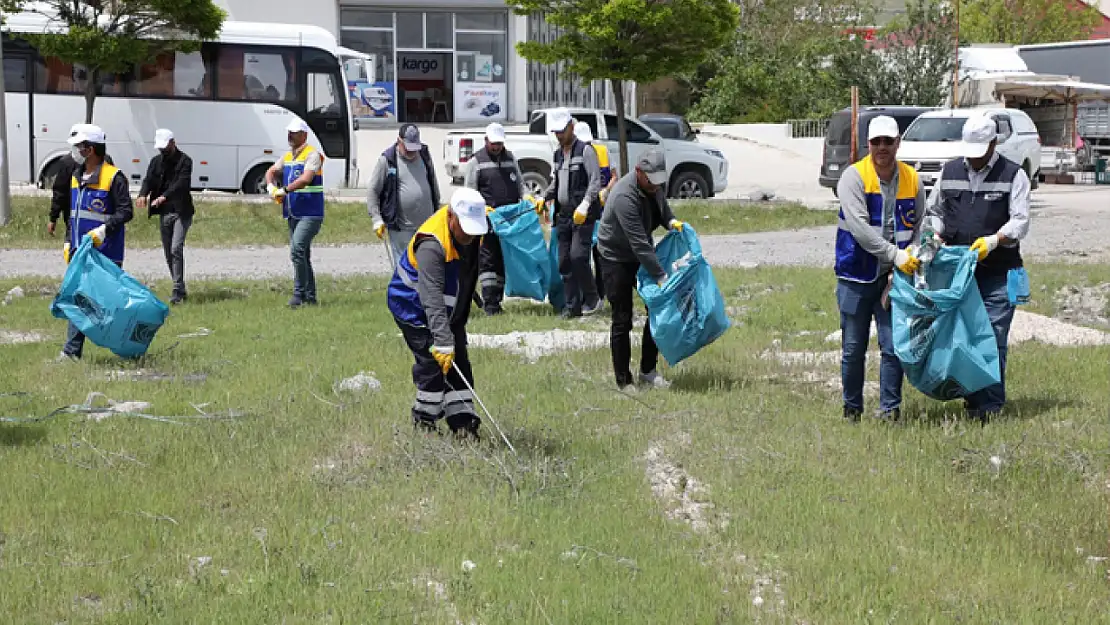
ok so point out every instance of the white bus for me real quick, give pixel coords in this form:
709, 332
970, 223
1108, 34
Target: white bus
227, 104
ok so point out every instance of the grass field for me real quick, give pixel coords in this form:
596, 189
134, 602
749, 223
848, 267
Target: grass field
737, 496
244, 223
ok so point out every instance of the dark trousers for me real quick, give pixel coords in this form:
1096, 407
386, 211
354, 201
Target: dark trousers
301, 233
996, 299
599, 280
575, 245
620, 284
174, 230
491, 272
439, 395
75, 341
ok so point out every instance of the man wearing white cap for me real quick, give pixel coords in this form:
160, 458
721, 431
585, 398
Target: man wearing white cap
494, 173
302, 205
63, 173
982, 200
169, 180
429, 297
100, 206
576, 181
403, 191
609, 175
880, 201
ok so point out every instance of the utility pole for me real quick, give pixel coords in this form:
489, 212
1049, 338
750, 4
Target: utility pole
5, 192
956, 67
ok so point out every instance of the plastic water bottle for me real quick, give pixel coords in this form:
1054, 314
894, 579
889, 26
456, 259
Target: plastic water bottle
930, 243
681, 262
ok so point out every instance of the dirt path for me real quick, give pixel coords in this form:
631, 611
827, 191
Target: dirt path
1055, 235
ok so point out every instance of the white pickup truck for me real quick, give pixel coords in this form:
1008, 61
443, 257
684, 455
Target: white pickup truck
695, 170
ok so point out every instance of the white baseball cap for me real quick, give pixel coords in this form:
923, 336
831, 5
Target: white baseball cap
583, 133
558, 120
495, 133
470, 207
162, 138
882, 126
978, 132
297, 125
87, 133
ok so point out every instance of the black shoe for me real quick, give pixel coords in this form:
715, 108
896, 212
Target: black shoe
590, 309
890, 416
465, 427
178, 298
853, 415
492, 311
571, 314
311, 302
296, 302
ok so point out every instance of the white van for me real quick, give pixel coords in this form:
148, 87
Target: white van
935, 138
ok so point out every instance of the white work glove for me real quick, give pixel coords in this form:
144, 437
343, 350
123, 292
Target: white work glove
906, 262
581, 212
98, 235
445, 357
676, 225
270, 188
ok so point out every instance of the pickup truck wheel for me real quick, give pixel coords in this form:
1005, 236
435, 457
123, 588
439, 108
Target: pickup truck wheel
534, 183
689, 185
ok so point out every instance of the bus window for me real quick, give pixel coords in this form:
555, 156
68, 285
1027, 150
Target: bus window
259, 74
174, 74
57, 76
15, 75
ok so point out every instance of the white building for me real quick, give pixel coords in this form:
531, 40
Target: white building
435, 61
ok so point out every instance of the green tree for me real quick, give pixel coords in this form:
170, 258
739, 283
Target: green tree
629, 40
1019, 22
910, 62
781, 63
114, 36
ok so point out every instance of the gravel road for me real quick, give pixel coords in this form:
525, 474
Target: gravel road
1068, 237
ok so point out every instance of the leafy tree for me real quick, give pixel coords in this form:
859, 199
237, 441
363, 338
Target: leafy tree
910, 62
629, 40
780, 65
1019, 22
113, 36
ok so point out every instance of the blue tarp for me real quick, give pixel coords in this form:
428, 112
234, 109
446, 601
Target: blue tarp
110, 307
942, 335
688, 311
527, 266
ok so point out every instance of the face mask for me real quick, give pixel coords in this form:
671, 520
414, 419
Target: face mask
77, 156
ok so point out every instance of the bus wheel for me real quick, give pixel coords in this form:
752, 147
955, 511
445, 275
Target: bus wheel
51, 173
254, 183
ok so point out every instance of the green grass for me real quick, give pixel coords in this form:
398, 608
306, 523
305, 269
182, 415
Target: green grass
858, 524
743, 217
242, 223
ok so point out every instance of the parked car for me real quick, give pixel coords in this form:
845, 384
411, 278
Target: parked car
695, 170
935, 138
838, 147
670, 126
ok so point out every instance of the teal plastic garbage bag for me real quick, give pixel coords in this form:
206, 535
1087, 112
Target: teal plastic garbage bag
555, 294
942, 335
527, 266
110, 307
688, 311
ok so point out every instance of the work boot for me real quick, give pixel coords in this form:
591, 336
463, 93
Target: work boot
178, 298
890, 416
852, 415
295, 302
465, 427
654, 380
493, 311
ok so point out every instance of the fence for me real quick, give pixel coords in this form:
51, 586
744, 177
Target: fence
807, 128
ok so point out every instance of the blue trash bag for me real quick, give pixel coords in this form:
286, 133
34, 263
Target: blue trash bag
110, 307
527, 267
555, 295
688, 311
942, 335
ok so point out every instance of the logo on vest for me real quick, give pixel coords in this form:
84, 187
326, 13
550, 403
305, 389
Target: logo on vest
97, 205
993, 196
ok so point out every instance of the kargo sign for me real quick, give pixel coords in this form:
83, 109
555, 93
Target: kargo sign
421, 66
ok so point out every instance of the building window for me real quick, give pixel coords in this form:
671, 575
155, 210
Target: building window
491, 20
261, 74
378, 44
410, 30
488, 53
440, 31
365, 19
177, 74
